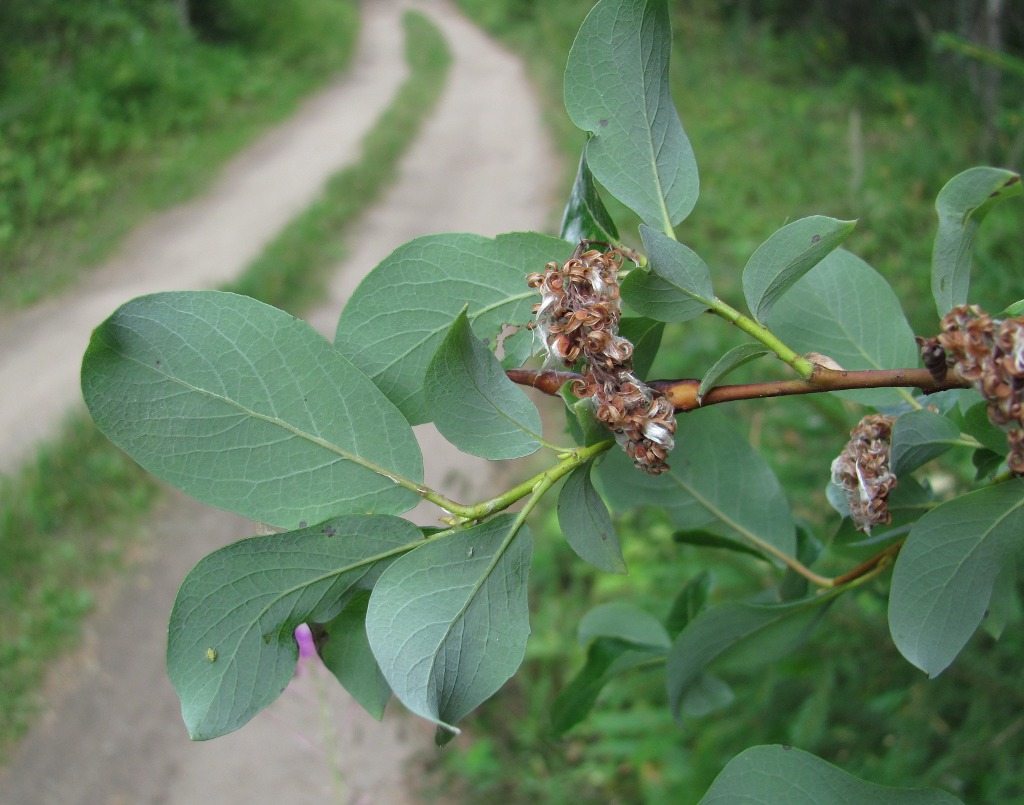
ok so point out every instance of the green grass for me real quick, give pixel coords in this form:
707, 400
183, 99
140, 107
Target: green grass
112, 110
66, 520
65, 524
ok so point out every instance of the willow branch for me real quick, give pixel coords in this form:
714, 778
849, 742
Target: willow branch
683, 393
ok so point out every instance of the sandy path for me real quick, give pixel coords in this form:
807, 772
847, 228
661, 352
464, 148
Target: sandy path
200, 244
113, 732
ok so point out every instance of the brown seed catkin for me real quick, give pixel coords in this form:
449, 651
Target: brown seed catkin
577, 319
989, 353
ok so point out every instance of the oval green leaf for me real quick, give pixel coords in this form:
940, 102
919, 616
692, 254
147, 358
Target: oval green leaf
733, 359
585, 216
346, 654
624, 622
448, 622
918, 437
945, 573
786, 256
586, 524
617, 89
248, 409
472, 402
397, 317
843, 308
688, 603
645, 335
607, 657
961, 206
737, 632
230, 644
770, 775
717, 481
677, 285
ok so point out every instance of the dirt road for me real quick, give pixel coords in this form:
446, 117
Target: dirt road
112, 733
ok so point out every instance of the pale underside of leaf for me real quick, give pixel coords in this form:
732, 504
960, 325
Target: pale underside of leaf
473, 403
945, 573
844, 309
230, 648
617, 89
448, 622
717, 481
770, 775
397, 317
248, 409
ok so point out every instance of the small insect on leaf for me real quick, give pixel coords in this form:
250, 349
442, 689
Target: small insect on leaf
211, 654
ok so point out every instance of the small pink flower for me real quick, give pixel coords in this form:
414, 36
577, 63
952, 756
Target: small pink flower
307, 649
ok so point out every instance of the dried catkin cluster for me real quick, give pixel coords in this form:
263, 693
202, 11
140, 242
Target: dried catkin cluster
862, 471
578, 318
989, 353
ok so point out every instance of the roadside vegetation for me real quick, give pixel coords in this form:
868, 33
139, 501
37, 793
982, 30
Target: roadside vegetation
75, 515
110, 110
788, 117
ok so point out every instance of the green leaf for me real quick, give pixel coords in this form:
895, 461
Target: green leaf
346, 654
717, 481
918, 437
707, 695
843, 308
945, 573
733, 359
739, 633
977, 424
677, 287
985, 463
786, 256
248, 409
474, 405
907, 503
770, 775
1005, 604
397, 317
586, 524
624, 622
607, 657
448, 622
645, 335
793, 585
1013, 311
585, 216
961, 206
583, 426
230, 644
620, 637
617, 88
689, 601
706, 539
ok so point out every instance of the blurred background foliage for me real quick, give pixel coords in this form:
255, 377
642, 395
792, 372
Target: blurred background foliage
112, 108
854, 110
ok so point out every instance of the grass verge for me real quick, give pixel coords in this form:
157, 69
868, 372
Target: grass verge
123, 110
67, 521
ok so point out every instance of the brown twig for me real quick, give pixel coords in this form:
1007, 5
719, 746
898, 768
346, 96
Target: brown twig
879, 561
683, 393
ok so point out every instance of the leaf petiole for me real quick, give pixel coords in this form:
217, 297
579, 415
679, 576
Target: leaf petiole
800, 364
531, 486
